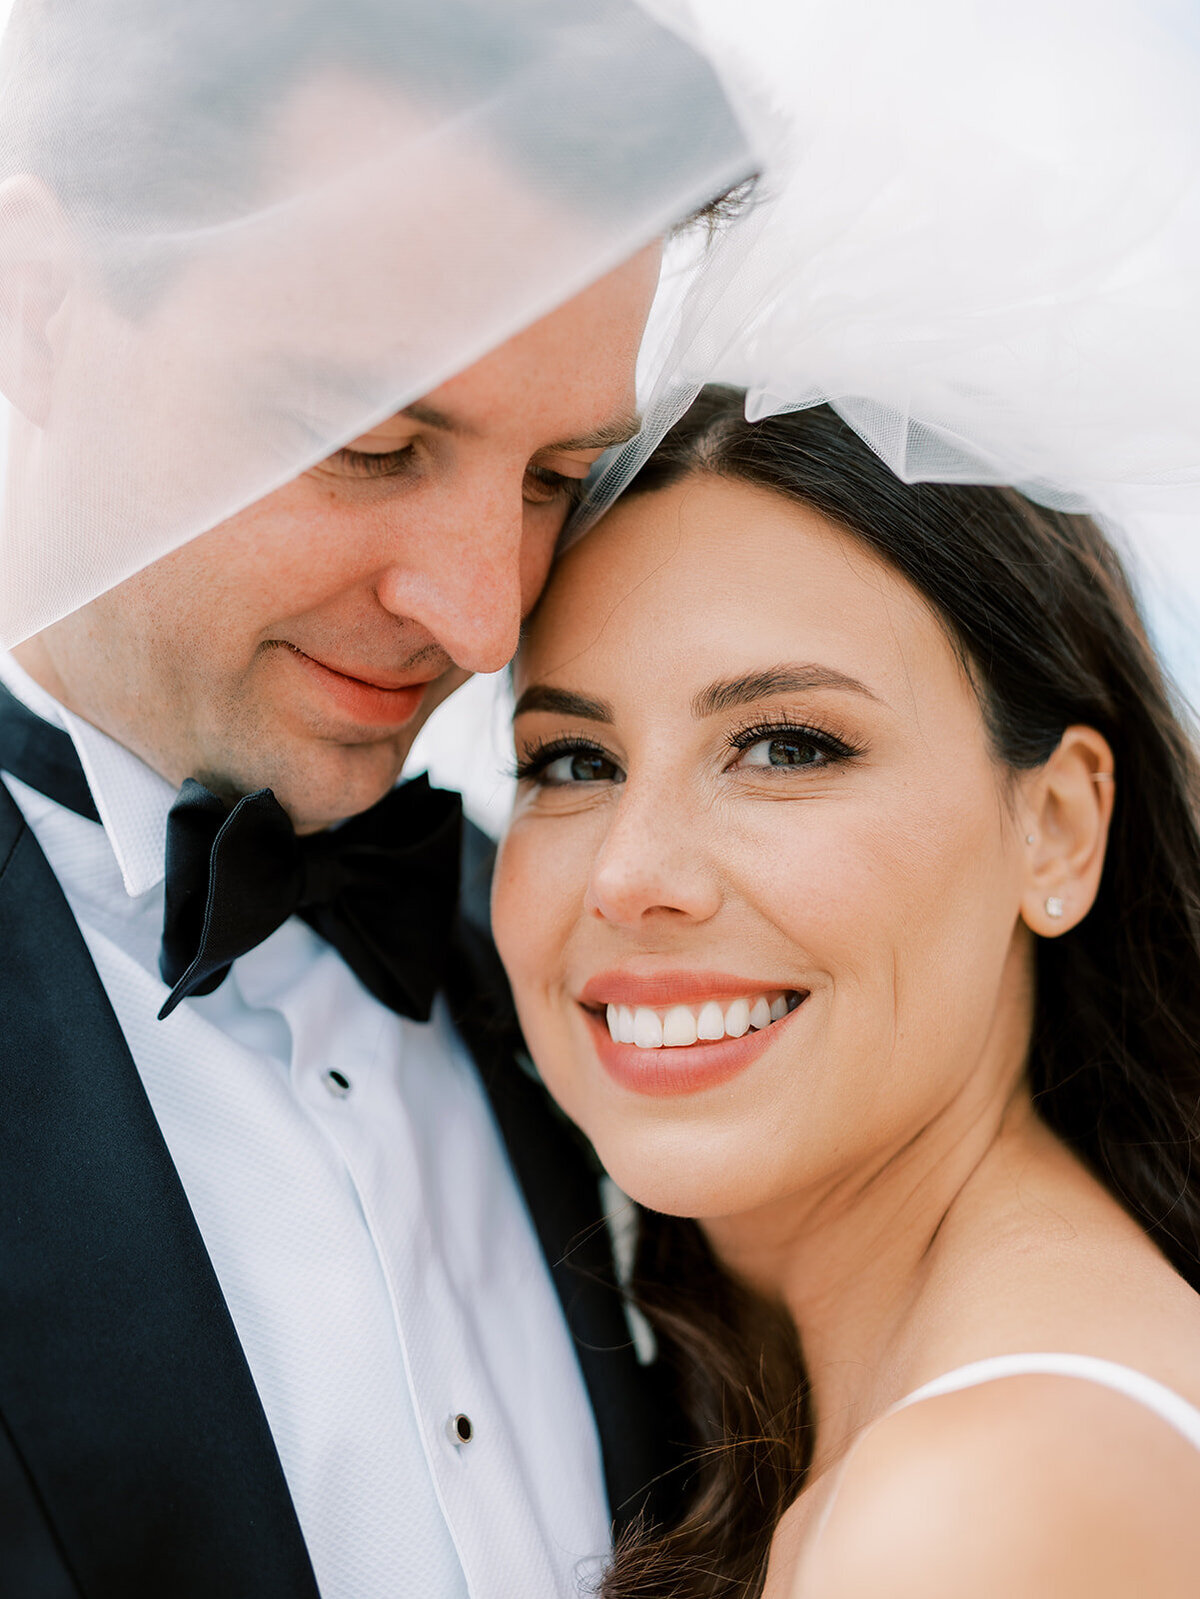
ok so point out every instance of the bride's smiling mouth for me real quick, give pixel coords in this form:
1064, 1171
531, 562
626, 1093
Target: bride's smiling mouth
681, 1032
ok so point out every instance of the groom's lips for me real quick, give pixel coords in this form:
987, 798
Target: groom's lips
369, 702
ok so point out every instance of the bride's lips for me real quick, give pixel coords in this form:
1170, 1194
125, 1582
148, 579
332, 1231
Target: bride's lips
368, 701
679, 1069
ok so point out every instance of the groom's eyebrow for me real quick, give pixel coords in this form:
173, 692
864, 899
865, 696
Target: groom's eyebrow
429, 416
729, 692
541, 697
619, 431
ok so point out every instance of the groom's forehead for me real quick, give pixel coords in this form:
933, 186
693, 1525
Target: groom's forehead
404, 222
201, 86
200, 91
456, 409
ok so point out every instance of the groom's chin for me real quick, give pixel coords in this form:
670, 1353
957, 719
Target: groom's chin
345, 785
321, 766
318, 783
284, 727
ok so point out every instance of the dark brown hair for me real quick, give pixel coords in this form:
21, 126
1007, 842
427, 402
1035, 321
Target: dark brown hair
1041, 611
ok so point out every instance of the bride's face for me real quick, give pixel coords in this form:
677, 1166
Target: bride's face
761, 837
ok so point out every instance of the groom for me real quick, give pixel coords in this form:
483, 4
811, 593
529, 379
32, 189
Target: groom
302, 1283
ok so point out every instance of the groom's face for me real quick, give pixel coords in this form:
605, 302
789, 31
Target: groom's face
301, 644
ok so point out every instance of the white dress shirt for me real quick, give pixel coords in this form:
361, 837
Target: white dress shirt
370, 1240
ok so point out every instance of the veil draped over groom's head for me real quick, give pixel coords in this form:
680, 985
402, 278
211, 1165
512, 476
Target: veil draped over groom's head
233, 237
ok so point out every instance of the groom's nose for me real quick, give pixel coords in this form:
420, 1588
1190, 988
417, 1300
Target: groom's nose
471, 575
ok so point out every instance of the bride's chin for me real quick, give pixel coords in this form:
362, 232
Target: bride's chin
676, 1182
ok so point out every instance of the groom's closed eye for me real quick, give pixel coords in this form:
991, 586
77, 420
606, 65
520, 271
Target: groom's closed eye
553, 474
543, 485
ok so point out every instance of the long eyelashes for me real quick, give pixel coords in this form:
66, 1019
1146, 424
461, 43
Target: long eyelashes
785, 729
554, 486
368, 463
828, 748
541, 484
538, 757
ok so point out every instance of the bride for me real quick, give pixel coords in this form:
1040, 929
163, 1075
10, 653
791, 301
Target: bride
851, 902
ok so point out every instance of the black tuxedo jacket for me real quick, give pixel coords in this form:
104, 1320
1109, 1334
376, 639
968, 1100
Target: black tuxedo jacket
135, 1458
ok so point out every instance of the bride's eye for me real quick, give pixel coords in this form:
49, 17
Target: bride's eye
790, 751
561, 764
788, 747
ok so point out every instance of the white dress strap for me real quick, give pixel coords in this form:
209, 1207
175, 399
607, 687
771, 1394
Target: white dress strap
1172, 1407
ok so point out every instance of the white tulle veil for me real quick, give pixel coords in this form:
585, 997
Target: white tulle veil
233, 236
977, 235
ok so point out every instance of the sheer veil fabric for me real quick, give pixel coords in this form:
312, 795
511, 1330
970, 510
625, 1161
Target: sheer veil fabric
234, 237
977, 235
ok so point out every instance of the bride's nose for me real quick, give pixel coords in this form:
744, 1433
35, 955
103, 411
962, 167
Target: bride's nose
652, 865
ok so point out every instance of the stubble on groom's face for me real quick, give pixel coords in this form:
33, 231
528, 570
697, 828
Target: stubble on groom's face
301, 645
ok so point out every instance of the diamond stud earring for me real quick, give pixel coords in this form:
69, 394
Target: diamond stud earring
1054, 906
1029, 838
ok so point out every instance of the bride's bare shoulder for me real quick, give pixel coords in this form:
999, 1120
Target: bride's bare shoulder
1044, 1486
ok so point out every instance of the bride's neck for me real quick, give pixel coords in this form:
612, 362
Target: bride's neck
853, 1262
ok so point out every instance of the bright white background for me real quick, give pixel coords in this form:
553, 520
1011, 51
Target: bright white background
466, 745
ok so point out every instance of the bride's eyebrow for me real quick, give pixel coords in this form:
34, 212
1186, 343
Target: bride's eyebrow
728, 692
541, 697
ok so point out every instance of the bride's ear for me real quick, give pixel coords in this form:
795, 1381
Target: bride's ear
37, 261
1066, 807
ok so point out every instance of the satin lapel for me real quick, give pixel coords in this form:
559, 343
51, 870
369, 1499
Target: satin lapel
638, 1423
122, 1382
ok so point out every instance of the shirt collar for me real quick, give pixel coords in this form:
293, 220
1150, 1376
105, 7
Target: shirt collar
132, 799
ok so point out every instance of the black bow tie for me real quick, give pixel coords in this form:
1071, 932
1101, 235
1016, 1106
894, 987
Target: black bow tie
382, 888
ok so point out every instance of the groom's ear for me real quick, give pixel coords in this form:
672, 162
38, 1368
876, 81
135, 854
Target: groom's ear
37, 266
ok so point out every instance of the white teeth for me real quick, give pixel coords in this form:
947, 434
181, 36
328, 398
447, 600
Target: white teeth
760, 1013
737, 1018
682, 1025
710, 1024
647, 1028
679, 1028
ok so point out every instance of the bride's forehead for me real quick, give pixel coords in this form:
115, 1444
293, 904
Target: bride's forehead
711, 559
685, 587
703, 521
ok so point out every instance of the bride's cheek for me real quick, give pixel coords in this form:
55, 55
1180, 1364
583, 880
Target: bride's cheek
536, 892
513, 924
